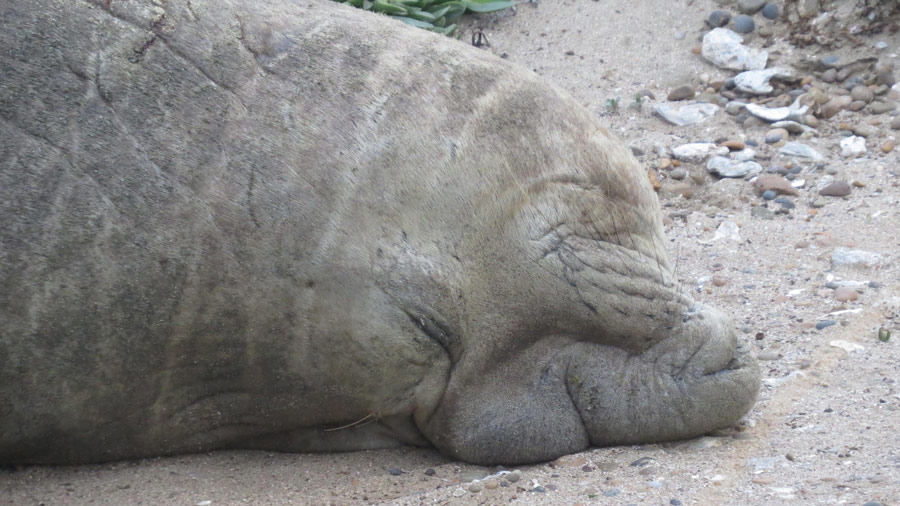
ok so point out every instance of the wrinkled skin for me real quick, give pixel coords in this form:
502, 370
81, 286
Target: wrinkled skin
297, 226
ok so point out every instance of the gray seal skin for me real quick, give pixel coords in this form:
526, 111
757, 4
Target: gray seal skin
297, 226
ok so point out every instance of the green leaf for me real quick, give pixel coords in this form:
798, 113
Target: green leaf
488, 5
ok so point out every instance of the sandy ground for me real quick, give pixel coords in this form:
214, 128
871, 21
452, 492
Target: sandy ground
826, 429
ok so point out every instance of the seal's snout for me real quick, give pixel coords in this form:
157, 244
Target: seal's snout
694, 381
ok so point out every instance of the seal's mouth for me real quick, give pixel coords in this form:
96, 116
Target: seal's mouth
691, 383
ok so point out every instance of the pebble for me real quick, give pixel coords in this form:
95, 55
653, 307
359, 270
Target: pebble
770, 11
845, 294
734, 107
846, 256
856, 105
863, 130
429, 472
800, 150
862, 93
776, 135
768, 355
761, 213
612, 492
836, 189
887, 147
785, 203
853, 146
475, 487
830, 75
395, 471
768, 195
734, 145
895, 123
513, 476
719, 280
682, 92
675, 502
757, 81
791, 126
725, 167
775, 183
718, 19
491, 484
678, 174
825, 324
725, 49
881, 107
685, 115
834, 106
744, 24
750, 6
696, 152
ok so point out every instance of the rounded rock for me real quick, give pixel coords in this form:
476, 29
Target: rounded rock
682, 92
768, 195
862, 93
845, 294
770, 11
836, 189
475, 487
718, 19
744, 24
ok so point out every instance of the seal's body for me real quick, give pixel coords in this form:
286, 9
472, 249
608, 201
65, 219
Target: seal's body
301, 227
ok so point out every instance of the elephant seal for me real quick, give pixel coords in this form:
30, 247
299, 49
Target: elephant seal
296, 226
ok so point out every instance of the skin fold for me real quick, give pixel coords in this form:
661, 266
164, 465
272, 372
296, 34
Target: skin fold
301, 227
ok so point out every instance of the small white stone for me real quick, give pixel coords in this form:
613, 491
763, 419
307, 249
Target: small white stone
685, 115
846, 345
696, 152
853, 146
757, 81
801, 150
725, 49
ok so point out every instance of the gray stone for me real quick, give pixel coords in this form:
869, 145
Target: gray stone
793, 127
682, 92
825, 324
726, 167
881, 107
770, 11
718, 19
750, 6
862, 93
847, 256
801, 150
830, 75
744, 24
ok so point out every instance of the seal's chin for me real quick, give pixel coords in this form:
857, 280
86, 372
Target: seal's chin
691, 383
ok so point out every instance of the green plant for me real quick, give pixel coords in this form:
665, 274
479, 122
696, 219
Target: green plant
638, 102
433, 15
612, 104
